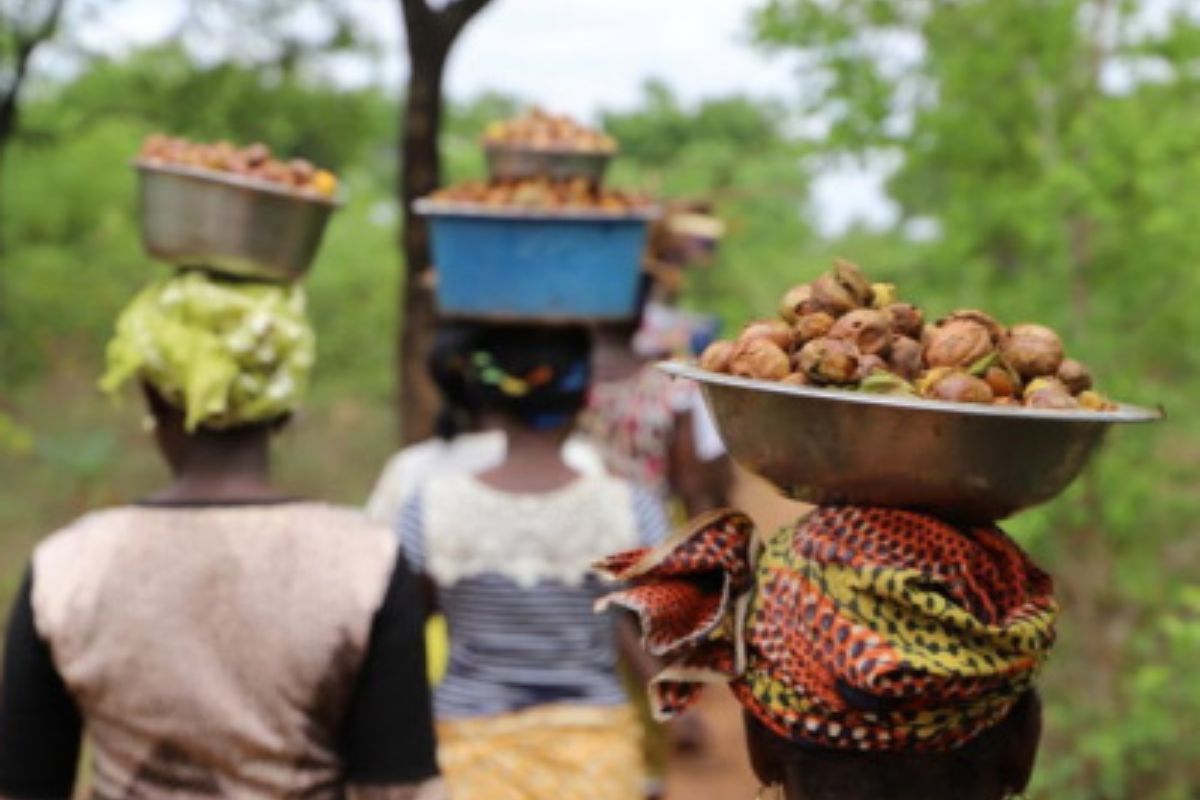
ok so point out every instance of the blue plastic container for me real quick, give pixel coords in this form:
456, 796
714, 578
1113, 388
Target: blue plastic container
515, 265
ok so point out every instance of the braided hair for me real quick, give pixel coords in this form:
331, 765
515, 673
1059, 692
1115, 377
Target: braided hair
536, 374
447, 363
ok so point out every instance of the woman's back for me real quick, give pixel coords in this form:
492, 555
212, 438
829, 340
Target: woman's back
512, 572
245, 626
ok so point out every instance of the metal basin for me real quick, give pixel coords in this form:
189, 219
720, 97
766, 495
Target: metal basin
511, 163
959, 460
227, 223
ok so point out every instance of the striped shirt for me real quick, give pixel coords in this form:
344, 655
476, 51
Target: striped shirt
513, 578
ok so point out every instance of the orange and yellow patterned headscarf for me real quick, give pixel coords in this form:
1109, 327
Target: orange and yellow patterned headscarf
855, 629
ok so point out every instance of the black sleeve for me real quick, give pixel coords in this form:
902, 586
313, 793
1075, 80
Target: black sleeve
388, 736
40, 727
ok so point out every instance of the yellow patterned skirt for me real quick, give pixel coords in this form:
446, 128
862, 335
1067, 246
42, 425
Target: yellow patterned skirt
552, 752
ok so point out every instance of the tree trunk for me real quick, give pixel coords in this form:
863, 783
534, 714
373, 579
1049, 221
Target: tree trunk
420, 173
8, 125
25, 45
431, 33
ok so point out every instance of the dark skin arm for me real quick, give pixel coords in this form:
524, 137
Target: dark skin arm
429, 595
432, 790
700, 485
687, 731
40, 726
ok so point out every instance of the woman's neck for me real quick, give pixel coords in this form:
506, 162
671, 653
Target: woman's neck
228, 471
533, 463
613, 358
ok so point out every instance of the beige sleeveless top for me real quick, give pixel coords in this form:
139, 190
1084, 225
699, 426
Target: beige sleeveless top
211, 649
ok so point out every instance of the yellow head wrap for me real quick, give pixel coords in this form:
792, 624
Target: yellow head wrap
227, 353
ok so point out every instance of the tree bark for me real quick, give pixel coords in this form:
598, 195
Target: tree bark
8, 114
420, 174
24, 46
431, 34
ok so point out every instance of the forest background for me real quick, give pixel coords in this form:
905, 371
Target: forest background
1043, 155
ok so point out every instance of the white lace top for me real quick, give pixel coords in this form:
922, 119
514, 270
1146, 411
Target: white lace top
513, 573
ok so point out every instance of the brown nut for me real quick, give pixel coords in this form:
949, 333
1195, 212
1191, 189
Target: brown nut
957, 343
811, 326
1032, 350
716, 356
851, 277
156, 144
275, 172
995, 329
828, 360
927, 379
302, 171
256, 154
869, 329
907, 319
830, 296
1048, 393
761, 359
1050, 396
775, 331
796, 379
1075, 375
796, 303
869, 363
1038, 384
1002, 381
905, 357
959, 387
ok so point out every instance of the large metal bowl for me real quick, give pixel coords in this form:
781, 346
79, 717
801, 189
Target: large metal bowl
228, 223
960, 460
514, 163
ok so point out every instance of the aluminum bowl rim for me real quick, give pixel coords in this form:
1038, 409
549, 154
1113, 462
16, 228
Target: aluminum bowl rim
1124, 413
236, 181
433, 208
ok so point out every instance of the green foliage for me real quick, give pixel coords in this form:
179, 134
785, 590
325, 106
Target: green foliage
736, 153
162, 88
13, 437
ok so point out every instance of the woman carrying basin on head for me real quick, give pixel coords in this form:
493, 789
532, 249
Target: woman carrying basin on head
650, 428
219, 638
467, 438
531, 707
878, 653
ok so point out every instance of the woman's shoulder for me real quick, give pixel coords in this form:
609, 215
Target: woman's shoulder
337, 520
89, 529
343, 527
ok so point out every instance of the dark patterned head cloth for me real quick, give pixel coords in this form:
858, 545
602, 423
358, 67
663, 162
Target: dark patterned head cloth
855, 629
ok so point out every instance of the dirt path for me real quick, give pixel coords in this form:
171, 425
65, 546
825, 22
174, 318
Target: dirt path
723, 771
